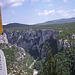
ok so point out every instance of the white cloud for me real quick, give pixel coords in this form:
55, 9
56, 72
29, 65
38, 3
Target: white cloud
46, 12
65, 1
50, 5
12, 12
46, 18
74, 10
11, 3
0, 3
46, 0
36, 9
40, 0
34, 0
64, 13
16, 4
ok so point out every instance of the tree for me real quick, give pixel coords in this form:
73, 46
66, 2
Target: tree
50, 67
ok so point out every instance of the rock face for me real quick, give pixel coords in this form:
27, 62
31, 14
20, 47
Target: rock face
31, 39
65, 44
3, 38
59, 44
73, 36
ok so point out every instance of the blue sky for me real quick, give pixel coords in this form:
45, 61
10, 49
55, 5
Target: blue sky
36, 11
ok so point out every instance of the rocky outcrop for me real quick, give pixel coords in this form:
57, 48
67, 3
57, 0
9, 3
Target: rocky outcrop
63, 44
31, 39
3, 38
59, 44
66, 44
73, 36
19, 52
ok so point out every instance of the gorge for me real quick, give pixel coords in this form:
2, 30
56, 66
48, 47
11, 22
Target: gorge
28, 44
33, 40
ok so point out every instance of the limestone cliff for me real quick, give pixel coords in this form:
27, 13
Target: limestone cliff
32, 39
3, 38
63, 44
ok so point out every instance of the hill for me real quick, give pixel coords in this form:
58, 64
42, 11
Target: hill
15, 25
59, 21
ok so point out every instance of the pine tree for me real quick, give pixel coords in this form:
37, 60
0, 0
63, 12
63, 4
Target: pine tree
50, 67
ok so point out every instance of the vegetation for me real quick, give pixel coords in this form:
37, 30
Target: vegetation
14, 60
66, 29
62, 63
65, 60
48, 26
50, 67
57, 63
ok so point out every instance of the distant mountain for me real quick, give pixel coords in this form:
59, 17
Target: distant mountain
15, 25
59, 21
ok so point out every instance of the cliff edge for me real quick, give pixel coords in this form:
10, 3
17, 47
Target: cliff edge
3, 38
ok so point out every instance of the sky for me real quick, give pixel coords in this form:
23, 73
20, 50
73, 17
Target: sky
36, 11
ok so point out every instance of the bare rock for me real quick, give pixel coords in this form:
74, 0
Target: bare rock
3, 38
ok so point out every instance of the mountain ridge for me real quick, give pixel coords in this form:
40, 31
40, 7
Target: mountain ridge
15, 25
58, 21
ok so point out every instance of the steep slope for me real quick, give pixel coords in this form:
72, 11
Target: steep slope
17, 59
32, 40
64, 62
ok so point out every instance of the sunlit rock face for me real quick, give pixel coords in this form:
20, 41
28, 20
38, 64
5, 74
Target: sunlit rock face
31, 39
3, 38
59, 44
